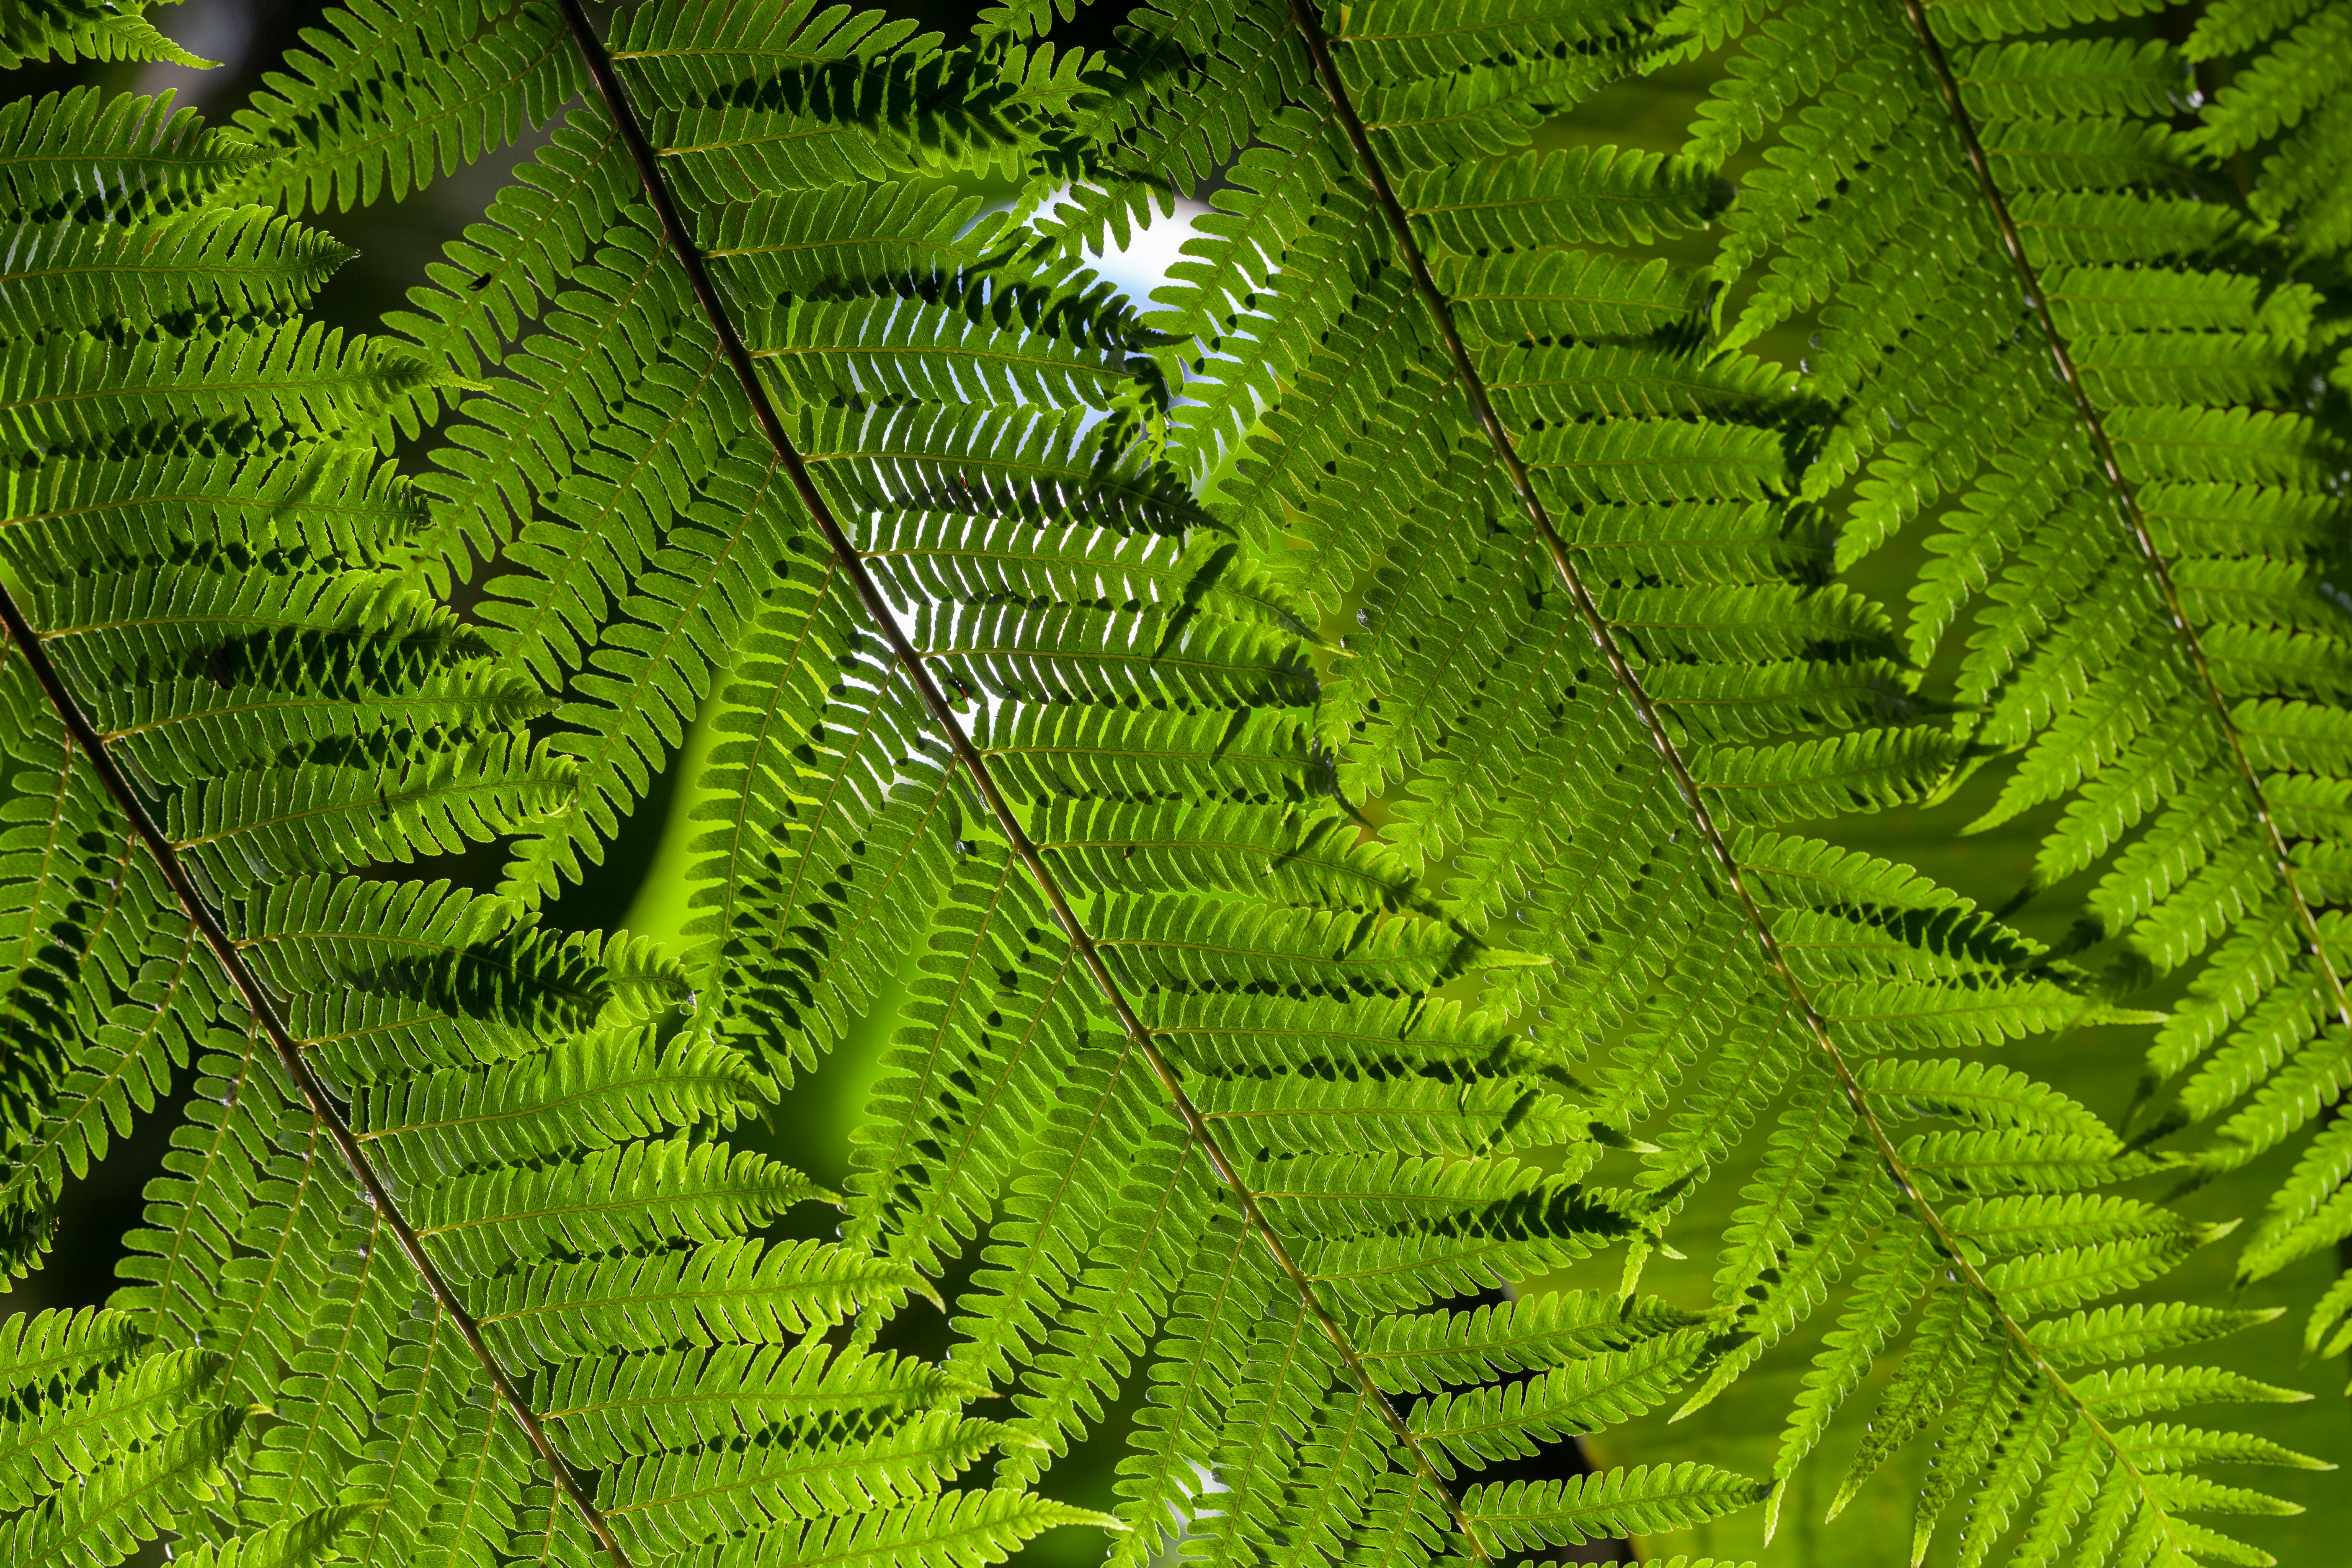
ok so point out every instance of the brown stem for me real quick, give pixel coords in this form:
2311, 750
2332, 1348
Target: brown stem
265, 1015
2126, 498
974, 766
1629, 681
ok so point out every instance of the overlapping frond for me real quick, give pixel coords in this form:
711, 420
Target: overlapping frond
2097, 391
387, 98
1278, 1003
1597, 667
2288, 96
1140, 699
66, 30
435, 1155
1082, 699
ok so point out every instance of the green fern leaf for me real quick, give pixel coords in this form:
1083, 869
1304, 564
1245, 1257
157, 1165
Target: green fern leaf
1616, 1502
1277, 1000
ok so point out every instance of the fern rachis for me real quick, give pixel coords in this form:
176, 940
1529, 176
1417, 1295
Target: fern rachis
1946, 1244
967, 757
1231, 1099
2163, 741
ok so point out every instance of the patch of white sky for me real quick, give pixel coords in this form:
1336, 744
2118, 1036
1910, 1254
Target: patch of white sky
1141, 266
1135, 269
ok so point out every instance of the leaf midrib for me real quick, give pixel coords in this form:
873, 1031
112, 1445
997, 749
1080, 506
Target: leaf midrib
1602, 635
647, 160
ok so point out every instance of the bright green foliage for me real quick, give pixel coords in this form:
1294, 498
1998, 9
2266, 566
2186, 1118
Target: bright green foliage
388, 97
103, 1439
1685, 490
2137, 544
1568, 1513
225, 574
2289, 99
1279, 1002
35, 30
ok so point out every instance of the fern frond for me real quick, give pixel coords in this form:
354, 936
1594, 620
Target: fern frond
2148, 610
2291, 98
616, 1406
954, 1529
1276, 1001
1544, 574
336, 503
735, 1291
311, 1539
1568, 1513
67, 30
65, 275
129, 1498
81, 150
1587, 1394
1410, 39
1955, 254
223, 693
45, 1451
472, 78
305, 378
